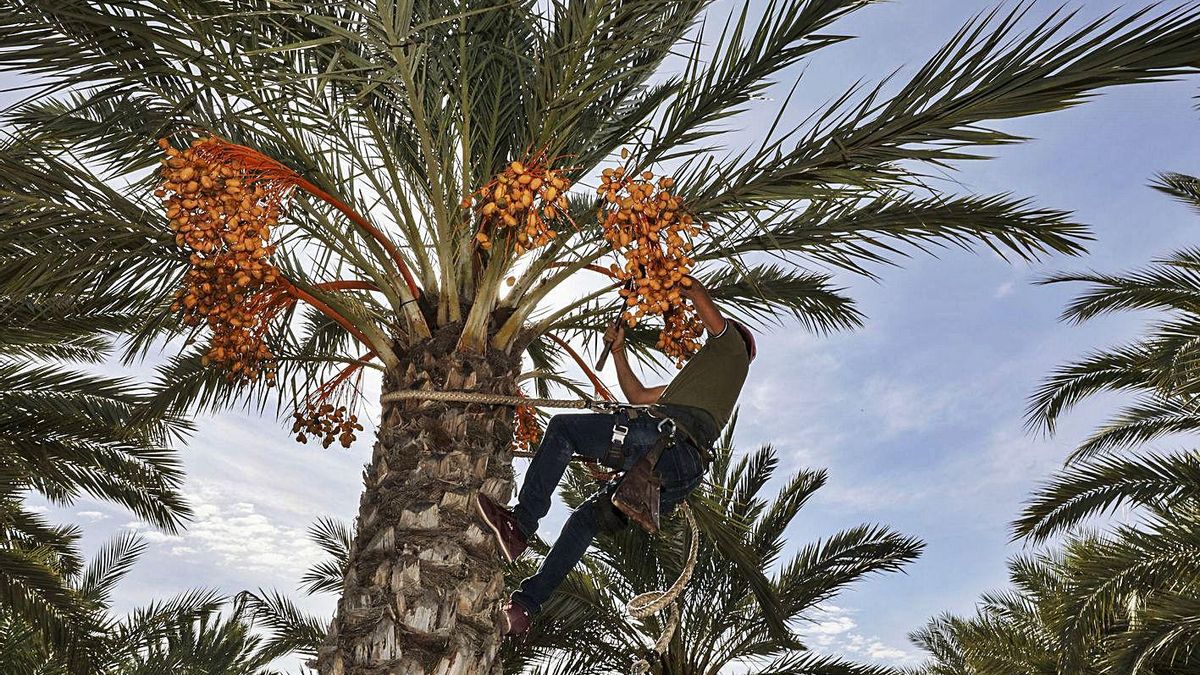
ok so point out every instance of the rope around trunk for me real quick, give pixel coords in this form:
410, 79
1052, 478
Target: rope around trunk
486, 398
641, 606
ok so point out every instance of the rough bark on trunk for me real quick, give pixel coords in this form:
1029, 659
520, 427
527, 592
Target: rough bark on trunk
424, 580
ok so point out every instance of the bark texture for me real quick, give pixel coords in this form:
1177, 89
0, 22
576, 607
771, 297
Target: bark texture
424, 581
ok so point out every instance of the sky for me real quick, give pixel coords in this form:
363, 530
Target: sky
917, 416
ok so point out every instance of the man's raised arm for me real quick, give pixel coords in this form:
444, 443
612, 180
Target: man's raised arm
635, 392
712, 318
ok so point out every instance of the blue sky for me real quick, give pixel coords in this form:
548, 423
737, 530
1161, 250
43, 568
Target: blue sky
917, 416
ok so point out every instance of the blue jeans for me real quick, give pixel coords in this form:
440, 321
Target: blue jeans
590, 435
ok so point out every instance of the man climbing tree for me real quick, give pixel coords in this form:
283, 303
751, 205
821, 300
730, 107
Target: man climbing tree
672, 435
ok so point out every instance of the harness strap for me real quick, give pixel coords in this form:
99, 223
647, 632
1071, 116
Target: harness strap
705, 455
617, 451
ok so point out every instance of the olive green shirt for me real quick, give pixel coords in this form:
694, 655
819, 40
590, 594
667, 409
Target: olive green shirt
702, 396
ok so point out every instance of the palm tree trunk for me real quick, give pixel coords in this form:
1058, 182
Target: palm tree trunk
424, 580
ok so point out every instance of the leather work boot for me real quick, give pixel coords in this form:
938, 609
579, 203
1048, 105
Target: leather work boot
508, 536
516, 620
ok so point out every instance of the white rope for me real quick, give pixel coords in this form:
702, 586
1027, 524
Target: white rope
485, 398
654, 602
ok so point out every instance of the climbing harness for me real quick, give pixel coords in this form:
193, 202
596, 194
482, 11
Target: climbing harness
626, 413
646, 604
639, 492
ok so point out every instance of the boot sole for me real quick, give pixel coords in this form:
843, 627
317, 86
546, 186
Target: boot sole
494, 529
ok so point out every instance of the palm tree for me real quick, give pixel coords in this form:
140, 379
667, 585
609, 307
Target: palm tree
585, 628
64, 433
1143, 577
1151, 564
195, 632
1126, 600
377, 119
1122, 603
1012, 633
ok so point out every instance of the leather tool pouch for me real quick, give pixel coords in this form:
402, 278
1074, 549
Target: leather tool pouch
637, 494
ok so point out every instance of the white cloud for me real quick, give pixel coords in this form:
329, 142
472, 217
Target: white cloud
1004, 290
825, 631
881, 652
92, 515
833, 631
860, 646
156, 537
233, 533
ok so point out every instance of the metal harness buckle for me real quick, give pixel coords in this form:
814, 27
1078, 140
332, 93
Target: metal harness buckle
666, 426
620, 431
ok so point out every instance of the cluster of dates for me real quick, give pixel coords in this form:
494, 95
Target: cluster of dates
649, 228
223, 219
520, 206
222, 202
326, 422
527, 429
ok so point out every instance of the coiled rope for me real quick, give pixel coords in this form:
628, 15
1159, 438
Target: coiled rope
651, 603
641, 606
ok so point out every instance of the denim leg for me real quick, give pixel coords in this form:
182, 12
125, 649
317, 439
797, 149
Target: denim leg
566, 436
674, 494
581, 528
682, 470
589, 436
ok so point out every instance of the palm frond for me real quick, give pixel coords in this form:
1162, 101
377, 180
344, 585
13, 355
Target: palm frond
853, 234
1099, 486
290, 630
1120, 368
109, 565
1172, 285
1180, 186
333, 537
1148, 418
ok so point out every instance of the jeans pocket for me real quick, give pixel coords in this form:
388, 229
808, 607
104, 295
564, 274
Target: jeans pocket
674, 493
681, 465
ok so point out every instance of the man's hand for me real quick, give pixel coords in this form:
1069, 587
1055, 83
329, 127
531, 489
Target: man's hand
691, 288
705, 307
615, 336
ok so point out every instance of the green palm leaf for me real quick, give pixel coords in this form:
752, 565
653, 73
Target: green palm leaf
726, 618
1093, 488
